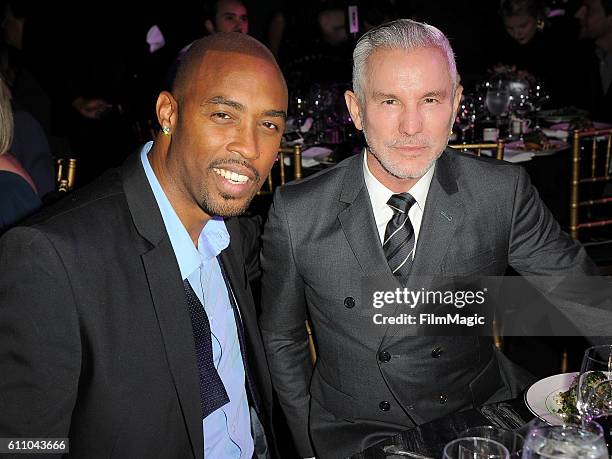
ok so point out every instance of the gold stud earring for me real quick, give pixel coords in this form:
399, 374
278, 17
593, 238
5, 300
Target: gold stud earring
166, 130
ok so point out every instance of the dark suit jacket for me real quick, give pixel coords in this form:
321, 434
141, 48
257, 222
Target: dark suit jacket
95, 335
318, 244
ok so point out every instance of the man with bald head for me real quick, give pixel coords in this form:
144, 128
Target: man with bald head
127, 322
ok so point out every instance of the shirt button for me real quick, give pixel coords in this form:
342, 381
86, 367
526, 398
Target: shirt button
384, 406
437, 352
443, 399
349, 302
384, 357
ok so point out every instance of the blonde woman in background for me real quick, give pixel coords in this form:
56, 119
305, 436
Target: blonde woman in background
18, 194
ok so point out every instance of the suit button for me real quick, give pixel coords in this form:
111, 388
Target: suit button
443, 399
384, 356
437, 352
384, 406
349, 302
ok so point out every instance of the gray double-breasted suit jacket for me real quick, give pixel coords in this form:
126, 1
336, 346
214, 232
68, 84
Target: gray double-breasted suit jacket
320, 240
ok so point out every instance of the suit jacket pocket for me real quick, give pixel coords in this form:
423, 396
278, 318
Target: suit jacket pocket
336, 402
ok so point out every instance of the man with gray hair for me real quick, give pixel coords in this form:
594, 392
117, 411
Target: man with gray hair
404, 209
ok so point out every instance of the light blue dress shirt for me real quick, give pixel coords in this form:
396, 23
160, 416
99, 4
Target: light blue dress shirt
227, 431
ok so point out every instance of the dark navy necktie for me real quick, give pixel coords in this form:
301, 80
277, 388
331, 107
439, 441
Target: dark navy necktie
212, 391
398, 244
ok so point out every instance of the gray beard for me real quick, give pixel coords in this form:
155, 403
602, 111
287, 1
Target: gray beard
395, 174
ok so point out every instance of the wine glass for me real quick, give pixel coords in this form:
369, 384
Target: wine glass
466, 118
568, 441
475, 448
598, 406
596, 367
510, 439
497, 100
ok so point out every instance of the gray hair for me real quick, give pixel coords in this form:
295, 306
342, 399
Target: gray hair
403, 34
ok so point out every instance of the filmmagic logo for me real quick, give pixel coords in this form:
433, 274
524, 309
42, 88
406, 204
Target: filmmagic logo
457, 299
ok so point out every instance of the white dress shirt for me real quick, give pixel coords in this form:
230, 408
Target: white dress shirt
380, 194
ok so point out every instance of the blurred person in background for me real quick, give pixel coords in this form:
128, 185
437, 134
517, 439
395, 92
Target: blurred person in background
18, 194
326, 57
595, 29
20, 60
30, 141
531, 46
226, 16
219, 16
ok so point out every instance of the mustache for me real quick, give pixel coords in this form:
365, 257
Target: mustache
222, 162
416, 141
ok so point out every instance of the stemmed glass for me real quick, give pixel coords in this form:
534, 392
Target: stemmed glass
466, 118
568, 441
510, 439
596, 367
497, 100
594, 388
599, 408
475, 448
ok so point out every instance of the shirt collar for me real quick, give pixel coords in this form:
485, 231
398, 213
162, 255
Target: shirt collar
212, 240
380, 194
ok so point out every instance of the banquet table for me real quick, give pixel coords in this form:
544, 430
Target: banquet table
429, 439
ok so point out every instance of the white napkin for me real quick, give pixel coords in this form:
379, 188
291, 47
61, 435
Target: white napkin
155, 39
513, 156
556, 133
309, 156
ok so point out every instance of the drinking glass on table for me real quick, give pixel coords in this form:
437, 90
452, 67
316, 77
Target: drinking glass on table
497, 100
510, 439
598, 407
568, 441
594, 389
475, 448
596, 368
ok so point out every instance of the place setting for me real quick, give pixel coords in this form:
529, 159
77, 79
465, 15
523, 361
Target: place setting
573, 410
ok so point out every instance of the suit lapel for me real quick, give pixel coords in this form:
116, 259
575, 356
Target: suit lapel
357, 221
443, 214
166, 288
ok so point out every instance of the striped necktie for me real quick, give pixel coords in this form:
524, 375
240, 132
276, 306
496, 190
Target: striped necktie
398, 244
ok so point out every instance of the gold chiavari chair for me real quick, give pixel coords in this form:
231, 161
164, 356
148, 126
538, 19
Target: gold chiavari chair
477, 148
591, 161
66, 174
278, 174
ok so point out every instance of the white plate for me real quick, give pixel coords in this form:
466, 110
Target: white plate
540, 397
565, 126
555, 146
562, 115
